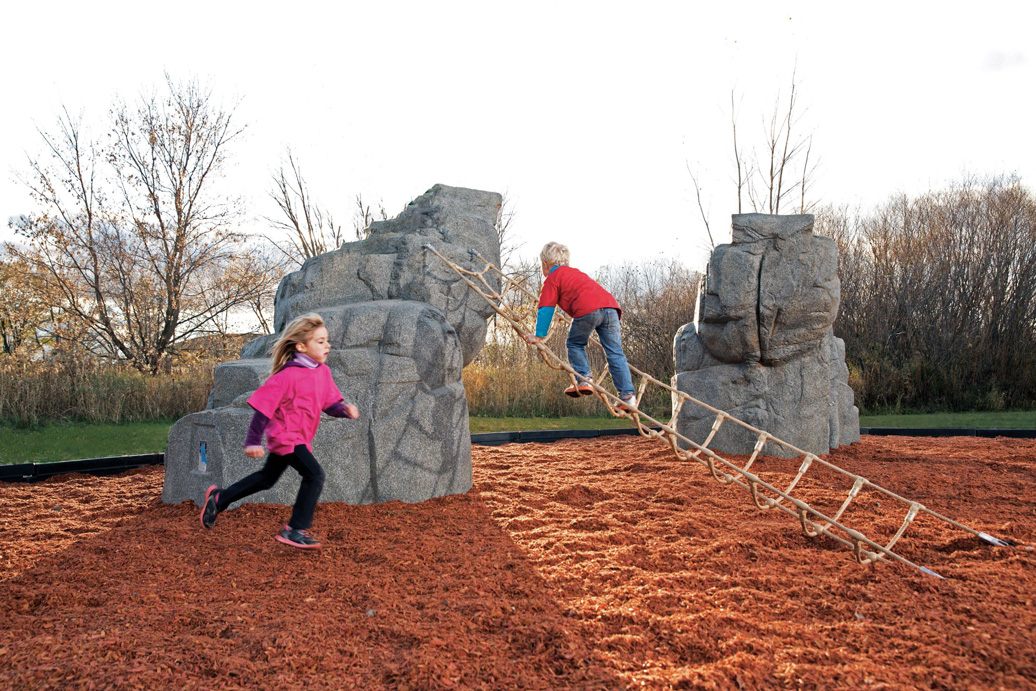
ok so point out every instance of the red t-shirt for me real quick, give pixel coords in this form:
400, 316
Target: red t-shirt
293, 400
575, 292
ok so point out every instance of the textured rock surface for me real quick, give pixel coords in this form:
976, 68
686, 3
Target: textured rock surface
391, 264
401, 330
763, 349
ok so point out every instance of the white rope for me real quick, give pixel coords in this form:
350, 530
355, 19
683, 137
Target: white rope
813, 522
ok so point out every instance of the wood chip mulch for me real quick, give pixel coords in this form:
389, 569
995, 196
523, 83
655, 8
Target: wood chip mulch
583, 564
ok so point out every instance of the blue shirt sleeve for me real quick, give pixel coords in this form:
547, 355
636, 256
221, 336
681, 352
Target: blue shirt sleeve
544, 315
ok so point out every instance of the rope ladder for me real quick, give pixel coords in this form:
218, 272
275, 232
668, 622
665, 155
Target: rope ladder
764, 495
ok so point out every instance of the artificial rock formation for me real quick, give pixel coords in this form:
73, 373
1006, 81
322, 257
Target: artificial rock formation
762, 348
402, 325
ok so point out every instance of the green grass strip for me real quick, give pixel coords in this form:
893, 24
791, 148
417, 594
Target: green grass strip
73, 441
1010, 419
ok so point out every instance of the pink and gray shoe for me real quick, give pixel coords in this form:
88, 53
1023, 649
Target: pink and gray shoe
210, 508
300, 539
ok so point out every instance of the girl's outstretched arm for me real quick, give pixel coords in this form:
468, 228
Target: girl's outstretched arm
254, 437
343, 409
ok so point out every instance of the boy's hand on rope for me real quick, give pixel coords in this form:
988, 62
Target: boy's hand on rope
532, 340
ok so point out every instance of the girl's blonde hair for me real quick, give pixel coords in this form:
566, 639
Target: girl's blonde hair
297, 331
554, 254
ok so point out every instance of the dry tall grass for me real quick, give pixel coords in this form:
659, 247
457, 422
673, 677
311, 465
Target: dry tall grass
496, 390
90, 391
508, 379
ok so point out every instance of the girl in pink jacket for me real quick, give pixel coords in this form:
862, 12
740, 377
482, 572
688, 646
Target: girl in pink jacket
287, 408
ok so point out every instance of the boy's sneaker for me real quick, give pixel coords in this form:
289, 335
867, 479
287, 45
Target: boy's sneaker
297, 538
627, 402
581, 389
210, 509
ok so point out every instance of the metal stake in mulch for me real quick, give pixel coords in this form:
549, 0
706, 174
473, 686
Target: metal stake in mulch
764, 495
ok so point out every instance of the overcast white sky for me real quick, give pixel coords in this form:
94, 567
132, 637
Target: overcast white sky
585, 114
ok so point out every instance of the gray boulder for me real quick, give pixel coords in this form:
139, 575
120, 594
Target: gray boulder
392, 264
843, 415
763, 349
399, 359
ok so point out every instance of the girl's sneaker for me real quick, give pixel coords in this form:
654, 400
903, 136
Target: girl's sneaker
210, 508
297, 538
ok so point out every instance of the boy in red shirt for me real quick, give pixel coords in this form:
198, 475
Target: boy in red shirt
592, 308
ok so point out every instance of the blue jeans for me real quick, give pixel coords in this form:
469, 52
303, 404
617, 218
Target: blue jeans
605, 322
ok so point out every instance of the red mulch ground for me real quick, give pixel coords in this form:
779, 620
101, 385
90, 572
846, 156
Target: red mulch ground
582, 564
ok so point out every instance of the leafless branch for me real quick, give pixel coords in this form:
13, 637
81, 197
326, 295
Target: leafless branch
701, 209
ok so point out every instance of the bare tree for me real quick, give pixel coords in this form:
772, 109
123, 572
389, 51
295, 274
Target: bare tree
657, 298
701, 209
770, 183
504, 232
524, 273
254, 272
309, 229
807, 179
741, 173
939, 297
23, 305
131, 235
364, 217
263, 270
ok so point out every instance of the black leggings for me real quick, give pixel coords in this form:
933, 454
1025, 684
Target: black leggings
309, 492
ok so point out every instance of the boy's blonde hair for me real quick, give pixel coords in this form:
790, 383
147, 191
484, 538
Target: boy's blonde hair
554, 254
297, 331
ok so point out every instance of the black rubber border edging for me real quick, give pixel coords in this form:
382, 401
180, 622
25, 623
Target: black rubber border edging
32, 472
948, 432
548, 435
497, 438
